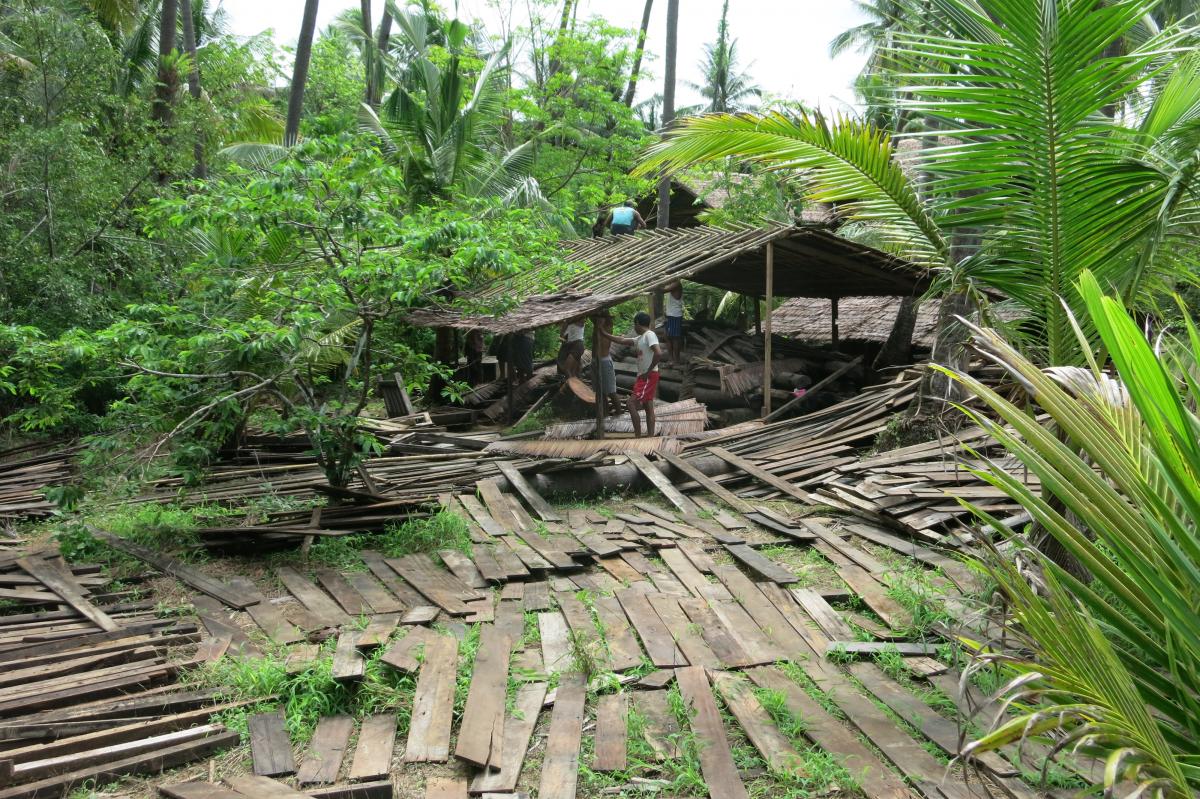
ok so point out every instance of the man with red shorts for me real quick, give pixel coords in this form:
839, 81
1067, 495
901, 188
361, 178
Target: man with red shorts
645, 388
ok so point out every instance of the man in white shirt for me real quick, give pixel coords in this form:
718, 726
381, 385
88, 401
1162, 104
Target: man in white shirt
673, 307
570, 354
645, 388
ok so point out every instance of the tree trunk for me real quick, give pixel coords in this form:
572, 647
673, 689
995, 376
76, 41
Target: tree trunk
555, 61
937, 390
368, 52
381, 46
189, 44
897, 349
168, 80
663, 219
631, 88
308, 26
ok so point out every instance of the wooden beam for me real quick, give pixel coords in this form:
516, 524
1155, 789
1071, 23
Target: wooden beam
833, 320
597, 379
766, 377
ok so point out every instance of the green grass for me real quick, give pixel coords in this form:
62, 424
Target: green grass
443, 530
537, 420
307, 695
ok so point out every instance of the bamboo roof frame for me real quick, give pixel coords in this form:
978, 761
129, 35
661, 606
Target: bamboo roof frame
810, 261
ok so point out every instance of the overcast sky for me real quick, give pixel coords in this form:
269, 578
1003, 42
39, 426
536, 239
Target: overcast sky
784, 43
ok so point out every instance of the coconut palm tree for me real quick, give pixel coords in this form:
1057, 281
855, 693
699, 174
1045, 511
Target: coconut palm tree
308, 25
725, 87
631, 87
1034, 187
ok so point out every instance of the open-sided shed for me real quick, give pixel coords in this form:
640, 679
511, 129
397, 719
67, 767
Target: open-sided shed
781, 261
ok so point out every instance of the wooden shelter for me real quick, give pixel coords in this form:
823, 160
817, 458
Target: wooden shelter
807, 262
778, 260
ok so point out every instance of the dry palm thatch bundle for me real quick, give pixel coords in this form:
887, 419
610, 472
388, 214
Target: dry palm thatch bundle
554, 448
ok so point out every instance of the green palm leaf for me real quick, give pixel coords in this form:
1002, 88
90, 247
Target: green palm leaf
851, 164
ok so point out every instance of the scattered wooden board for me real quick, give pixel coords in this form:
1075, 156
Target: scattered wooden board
528, 492
481, 732
518, 729
270, 747
326, 750
610, 749
376, 741
560, 767
433, 703
716, 759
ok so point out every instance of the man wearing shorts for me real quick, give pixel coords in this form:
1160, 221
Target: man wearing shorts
570, 353
608, 374
645, 388
673, 307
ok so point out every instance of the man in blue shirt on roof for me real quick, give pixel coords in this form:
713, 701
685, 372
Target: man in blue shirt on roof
625, 219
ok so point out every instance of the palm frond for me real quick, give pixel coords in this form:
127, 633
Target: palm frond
846, 163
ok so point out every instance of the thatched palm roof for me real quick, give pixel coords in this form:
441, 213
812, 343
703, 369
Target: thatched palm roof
809, 262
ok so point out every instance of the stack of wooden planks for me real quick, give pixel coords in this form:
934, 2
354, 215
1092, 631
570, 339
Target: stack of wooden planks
89, 683
24, 477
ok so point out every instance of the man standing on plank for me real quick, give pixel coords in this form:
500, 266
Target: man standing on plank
608, 374
645, 388
674, 323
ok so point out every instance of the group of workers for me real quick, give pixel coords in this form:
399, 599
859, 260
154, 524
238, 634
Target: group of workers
514, 351
648, 351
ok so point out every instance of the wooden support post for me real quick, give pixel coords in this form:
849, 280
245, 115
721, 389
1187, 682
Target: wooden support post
597, 378
833, 320
766, 376
757, 318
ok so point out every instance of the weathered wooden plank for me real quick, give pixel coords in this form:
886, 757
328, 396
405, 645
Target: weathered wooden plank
270, 747
716, 758
624, 652
660, 728
376, 741
828, 619
518, 729
876, 779
905, 648
433, 703
152, 762
584, 634
696, 554
560, 768
764, 566
875, 596
391, 580
42, 768
654, 634
686, 635
757, 647
942, 731
379, 600
462, 567
348, 663
664, 485
772, 744
314, 600
267, 615
728, 650
795, 615
340, 589
378, 630
436, 584
179, 570
326, 750
197, 790
522, 486
712, 486
481, 733
64, 585
480, 515
488, 566
257, 787
557, 654
765, 615
610, 748
685, 571
402, 655
762, 475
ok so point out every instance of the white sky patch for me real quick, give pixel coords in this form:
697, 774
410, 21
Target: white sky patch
783, 44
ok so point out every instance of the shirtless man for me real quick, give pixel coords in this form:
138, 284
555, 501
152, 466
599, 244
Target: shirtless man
649, 353
608, 374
